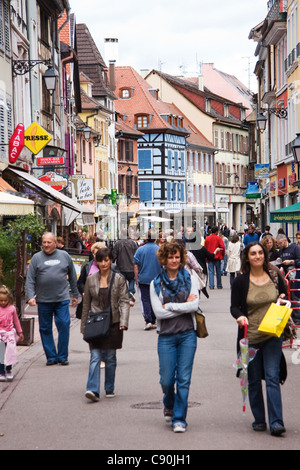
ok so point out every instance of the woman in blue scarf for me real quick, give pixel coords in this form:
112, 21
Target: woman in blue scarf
175, 298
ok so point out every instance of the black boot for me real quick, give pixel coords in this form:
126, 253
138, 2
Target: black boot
205, 292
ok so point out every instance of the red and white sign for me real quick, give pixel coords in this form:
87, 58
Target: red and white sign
16, 143
54, 180
50, 161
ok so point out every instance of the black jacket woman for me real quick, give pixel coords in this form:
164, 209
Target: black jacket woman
251, 295
96, 299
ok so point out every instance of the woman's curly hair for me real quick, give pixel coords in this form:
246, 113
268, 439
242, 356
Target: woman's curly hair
171, 248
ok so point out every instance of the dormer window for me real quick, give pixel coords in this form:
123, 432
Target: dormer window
226, 110
208, 105
154, 92
126, 93
142, 121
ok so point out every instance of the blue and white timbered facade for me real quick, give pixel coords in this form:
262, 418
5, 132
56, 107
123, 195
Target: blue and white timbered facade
162, 170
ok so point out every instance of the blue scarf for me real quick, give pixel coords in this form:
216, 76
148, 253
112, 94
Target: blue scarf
182, 283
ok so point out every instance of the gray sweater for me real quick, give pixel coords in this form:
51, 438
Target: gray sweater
48, 276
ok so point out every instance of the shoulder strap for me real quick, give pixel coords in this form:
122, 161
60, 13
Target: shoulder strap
111, 284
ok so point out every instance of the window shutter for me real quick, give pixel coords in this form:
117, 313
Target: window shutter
6, 28
1, 27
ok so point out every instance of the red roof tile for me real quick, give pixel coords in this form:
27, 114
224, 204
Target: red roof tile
141, 102
196, 137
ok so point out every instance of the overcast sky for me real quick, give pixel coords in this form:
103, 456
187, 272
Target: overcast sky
177, 35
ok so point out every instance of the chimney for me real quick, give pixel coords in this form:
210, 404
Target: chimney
112, 75
111, 50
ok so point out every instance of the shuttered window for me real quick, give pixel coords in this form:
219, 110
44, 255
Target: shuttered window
145, 190
6, 27
1, 27
145, 160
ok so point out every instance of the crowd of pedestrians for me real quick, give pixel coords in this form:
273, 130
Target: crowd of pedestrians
168, 273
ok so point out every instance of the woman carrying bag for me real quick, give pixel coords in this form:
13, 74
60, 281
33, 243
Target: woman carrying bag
104, 289
175, 298
252, 293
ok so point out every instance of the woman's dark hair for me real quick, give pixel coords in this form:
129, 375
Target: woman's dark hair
104, 253
171, 248
245, 265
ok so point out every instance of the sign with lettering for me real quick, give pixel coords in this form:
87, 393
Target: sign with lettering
36, 138
16, 143
85, 190
50, 161
54, 180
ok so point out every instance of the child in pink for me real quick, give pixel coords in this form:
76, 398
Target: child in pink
9, 327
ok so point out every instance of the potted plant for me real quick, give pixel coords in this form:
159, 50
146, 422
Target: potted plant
19, 239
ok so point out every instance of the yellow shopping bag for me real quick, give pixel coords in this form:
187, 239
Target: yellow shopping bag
276, 318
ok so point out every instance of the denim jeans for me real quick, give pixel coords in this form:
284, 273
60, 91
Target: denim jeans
61, 313
146, 303
223, 265
176, 357
212, 266
267, 361
109, 356
130, 280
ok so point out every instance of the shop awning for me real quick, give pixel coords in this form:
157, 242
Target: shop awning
287, 215
44, 190
11, 205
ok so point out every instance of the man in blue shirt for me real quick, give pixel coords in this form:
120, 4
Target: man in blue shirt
146, 267
251, 236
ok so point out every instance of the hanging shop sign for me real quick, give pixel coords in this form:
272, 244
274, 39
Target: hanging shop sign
262, 171
36, 138
253, 190
84, 189
16, 143
44, 161
54, 180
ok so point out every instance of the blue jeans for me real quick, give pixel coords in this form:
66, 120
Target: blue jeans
61, 313
223, 265
131, 281
146, 304
212, 266
176, 357
267, 360
109, 356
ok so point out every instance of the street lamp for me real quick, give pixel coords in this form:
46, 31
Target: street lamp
296, 148
296, 153
50, 78
261, 120
87, 132
261, 123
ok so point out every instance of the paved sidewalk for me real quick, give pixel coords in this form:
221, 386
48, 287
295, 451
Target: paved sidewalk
45, 407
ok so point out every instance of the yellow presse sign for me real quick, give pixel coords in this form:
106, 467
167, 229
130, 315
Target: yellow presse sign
36, 138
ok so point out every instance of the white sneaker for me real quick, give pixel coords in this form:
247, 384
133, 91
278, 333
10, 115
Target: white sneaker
2, 378
148, 327
178, 427
9, 376
91, 395
110, 395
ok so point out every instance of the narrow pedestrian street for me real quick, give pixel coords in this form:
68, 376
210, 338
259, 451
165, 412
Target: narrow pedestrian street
44, 408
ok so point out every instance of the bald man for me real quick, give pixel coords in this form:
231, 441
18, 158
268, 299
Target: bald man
47, 283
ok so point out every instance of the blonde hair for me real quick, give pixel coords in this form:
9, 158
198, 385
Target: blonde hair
97, 246
6, 291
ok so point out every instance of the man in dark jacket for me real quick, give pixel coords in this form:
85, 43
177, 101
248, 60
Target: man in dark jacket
123, 254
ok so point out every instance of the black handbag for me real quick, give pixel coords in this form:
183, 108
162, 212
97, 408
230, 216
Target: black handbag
98, 323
